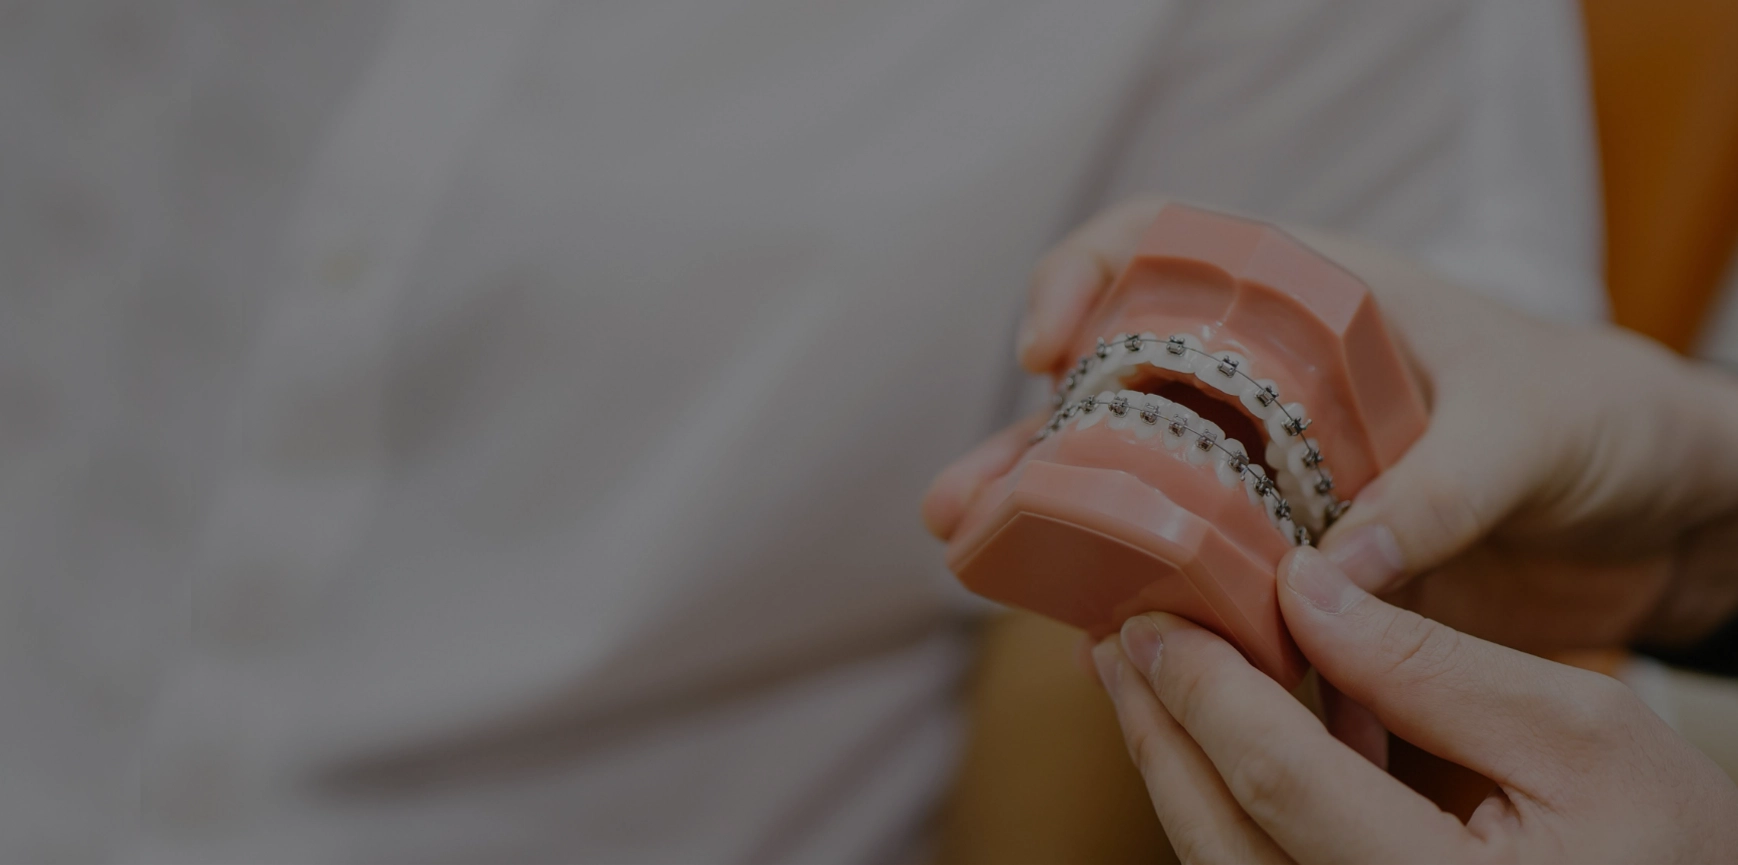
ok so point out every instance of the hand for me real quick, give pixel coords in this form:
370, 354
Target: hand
1240, 771
1556, 496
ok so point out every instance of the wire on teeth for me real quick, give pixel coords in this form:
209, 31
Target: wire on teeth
1206, 441
1267, 395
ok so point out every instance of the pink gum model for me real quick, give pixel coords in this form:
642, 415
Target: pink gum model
1221, 338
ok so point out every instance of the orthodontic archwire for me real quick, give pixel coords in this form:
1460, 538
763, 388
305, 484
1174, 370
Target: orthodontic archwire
1174, 345
1149, 414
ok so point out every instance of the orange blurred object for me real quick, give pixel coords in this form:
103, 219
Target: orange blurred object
1665, 84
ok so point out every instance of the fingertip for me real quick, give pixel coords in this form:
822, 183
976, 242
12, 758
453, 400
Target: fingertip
945, 502
1063, 289
1105, 658
1313, 578
942, 507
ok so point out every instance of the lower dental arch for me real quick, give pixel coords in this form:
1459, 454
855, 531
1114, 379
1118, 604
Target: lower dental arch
1184, 354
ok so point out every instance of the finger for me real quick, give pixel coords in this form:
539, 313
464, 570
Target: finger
1509, 716
1070, 278
945, 502
1201, 819
1354, 725
1450, 490
1314, 796
1083, 657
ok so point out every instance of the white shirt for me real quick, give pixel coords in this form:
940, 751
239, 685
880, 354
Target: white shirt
493, 432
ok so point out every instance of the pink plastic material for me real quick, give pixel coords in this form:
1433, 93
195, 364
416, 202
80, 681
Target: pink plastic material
1094, 525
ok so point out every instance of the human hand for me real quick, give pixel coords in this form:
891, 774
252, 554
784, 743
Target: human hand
1555, 496
1240, 771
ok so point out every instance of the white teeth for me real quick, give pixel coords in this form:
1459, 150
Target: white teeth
1299, 478
1261, 397
1221, 371
1204, 443
1175, 427
1226, 465
1177, 354
1280, 423
1100, 410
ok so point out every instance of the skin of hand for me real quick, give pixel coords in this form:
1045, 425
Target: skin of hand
1240, 772
1576, 487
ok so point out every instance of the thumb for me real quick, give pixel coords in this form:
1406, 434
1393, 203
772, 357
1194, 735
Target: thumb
1491, 709
1446, 493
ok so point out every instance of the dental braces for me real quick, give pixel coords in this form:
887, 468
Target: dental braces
1176, 345
1149, 414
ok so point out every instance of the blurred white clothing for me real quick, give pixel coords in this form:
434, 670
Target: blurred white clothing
445, 431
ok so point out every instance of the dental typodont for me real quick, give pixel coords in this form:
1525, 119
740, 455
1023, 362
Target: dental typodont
1189, 448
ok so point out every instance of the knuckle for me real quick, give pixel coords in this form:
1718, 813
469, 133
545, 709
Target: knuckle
1265, 781
1418, 650
1592, 710
1451, 511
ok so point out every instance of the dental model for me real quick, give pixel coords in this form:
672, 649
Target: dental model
1235, 390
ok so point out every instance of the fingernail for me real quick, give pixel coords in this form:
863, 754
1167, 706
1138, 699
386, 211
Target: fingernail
1143, 644
1369, 556
1320, 583
1104, 658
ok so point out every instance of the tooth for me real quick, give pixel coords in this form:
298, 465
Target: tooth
1164, 355
1124, 409
1288, 529
1100, 410
1095, 380
1255, 392
1287, 483
1231, 462
1150, 409
1104, 360
1220, 372
1277, 509
1307, 507
1203, 445
1175, 426
1252, 478
1278, 424
1274, 453
1136, 348
1297, 458
1314, 510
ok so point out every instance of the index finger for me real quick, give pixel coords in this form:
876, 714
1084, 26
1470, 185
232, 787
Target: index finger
1310, 792
945, 501
1072, 275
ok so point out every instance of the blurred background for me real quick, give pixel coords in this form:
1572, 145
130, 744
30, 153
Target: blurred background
446, 431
